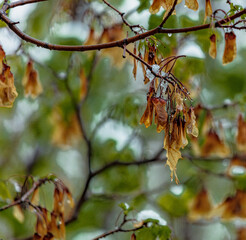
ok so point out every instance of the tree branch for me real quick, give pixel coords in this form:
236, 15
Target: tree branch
20, 3
119, 43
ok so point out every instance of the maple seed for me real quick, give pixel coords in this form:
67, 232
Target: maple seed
208, 10
7, 88
31, 82
230, 51
213, 48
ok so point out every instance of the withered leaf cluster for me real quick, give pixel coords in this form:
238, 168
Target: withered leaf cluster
8, 91
174, 118
51, 225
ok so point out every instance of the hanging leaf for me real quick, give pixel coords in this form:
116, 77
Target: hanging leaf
147, 117
230, 51
208, 10
31, 82
8, 91
213, 48
241, 134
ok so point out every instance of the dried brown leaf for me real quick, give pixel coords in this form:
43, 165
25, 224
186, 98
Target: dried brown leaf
230, 51
213, 48
241, 134
31, 82
147, 117
208, 10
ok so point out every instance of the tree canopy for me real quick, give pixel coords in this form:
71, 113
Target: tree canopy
122, 119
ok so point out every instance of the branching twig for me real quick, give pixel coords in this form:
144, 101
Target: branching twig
119, 43
122, 17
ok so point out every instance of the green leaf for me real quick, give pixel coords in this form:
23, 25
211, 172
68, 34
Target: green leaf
154, 232
144, 4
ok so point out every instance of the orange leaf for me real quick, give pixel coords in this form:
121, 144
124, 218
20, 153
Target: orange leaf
213, 48
230, 51
241, 234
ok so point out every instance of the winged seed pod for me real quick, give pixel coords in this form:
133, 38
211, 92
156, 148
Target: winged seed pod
230, 51
31, 82
208, 10
241, 134
8, 91
213, 48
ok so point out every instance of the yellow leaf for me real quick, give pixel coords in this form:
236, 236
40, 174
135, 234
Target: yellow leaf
18, 213
213, 48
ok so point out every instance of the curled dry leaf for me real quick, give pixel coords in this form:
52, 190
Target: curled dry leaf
230, 51
147, 117
233, 207
214, 146
208, 10
160, 113
31, 82
200, 207
241, 134
213, 48
8, 91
